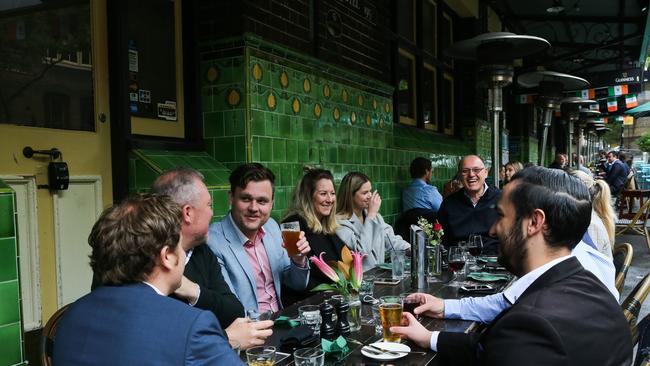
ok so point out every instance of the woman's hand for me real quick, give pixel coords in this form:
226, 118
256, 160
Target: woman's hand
374, 205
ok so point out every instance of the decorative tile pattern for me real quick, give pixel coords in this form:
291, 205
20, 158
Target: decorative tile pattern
11, 351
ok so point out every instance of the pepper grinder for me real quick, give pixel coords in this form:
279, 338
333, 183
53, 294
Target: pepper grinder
328, 325
342, 309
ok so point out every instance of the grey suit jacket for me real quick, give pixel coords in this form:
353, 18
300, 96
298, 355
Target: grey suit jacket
225, 241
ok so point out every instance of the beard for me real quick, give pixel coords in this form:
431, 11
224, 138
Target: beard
512, 249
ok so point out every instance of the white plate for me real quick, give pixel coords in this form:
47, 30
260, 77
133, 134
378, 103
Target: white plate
399, 347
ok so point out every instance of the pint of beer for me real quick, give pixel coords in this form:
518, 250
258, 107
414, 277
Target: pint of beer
390, 310
290, 235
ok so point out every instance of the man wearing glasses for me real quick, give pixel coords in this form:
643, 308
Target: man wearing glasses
471, 209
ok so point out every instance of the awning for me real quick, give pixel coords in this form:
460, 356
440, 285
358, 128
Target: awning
645, 107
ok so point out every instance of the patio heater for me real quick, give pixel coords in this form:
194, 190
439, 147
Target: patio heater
571, 113
584, 115
550, 85
495, 53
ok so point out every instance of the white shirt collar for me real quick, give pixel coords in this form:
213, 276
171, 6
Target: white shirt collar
154, 288
485, 189
188, 255
513, 292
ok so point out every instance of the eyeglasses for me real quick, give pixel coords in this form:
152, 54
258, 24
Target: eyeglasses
473, 170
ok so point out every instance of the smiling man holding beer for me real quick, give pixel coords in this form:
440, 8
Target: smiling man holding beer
249, 246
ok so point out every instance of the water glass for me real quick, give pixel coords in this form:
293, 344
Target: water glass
310, 315
376, 316
260, 356
309, 357
397, 258
366, 288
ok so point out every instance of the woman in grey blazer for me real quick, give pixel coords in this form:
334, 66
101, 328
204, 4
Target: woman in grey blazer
361, 227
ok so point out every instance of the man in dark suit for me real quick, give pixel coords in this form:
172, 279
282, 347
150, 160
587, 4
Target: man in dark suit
203, 284
561, 314
616, 175
129, 320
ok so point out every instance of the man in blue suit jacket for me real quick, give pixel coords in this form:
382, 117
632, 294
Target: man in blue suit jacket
249, 246
130, 320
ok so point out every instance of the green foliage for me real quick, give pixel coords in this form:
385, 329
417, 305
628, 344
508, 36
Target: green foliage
644, 142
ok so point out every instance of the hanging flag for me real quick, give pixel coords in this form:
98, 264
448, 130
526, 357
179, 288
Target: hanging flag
617, 90
612, 106
594, 107
628, 121
525, 99
586, 94
630, 101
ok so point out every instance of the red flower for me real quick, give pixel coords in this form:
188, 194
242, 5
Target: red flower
437, 226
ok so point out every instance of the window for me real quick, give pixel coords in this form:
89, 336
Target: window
45, 65
406, 19
448, 103
429, 97
446, 35
429, 22
406, 88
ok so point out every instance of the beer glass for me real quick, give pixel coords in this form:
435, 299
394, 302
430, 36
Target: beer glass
290, 235
390, 311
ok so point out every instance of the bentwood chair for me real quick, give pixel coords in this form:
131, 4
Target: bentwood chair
631, 219
632, 305
622, 259
47, 338
643, 350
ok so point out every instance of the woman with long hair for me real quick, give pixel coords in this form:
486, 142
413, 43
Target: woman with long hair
512, 167
313, 205
602, 227
361, 227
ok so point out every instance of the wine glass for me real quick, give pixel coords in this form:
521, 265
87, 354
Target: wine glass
456, 263
474, 247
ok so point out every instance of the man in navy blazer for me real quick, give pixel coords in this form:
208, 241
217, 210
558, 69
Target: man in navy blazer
560, 314
129, 320
248, 243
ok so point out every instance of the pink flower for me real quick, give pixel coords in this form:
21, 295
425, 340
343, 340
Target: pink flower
357, 266
324, 268
437, 226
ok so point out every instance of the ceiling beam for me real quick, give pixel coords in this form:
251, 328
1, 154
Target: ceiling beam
600, 46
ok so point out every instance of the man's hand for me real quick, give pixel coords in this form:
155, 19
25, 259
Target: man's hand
374, 205
303, 247
430, 306
189, 291
248, 333
413, 330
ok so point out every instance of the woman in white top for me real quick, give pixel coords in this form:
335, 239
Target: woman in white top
361, 227
602, 227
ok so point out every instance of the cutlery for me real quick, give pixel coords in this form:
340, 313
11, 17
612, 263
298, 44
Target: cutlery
393, 353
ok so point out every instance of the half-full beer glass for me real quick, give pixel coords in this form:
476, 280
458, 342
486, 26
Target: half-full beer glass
290, 235
390, 310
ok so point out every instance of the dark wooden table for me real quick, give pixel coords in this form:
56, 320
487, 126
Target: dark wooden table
367, 333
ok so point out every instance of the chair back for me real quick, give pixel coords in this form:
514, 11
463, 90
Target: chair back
622, 259
632, 304
627, 205
47, 337
643, 339
410, 217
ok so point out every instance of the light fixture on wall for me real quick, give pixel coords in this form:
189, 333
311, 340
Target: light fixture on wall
556, 8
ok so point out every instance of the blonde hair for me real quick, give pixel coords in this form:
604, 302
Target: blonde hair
350, 184
303, 202
600, 201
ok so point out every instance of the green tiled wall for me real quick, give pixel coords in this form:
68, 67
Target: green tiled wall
270, 105
11, 343
146, 165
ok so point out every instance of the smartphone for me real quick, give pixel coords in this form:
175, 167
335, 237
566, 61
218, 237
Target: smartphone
484, 289
387, 281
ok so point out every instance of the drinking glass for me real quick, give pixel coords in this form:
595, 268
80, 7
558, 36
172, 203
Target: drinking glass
456, 264
366, 288
261, 356
474, 247
290, 235
310, 315
397, 259
390, 311
409, 303
376, 316
309, 357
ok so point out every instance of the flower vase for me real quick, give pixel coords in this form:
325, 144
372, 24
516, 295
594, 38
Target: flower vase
354, 316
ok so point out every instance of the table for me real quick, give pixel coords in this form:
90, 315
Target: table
367, 333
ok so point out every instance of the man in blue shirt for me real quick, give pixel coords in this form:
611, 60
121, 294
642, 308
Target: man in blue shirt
420, 193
